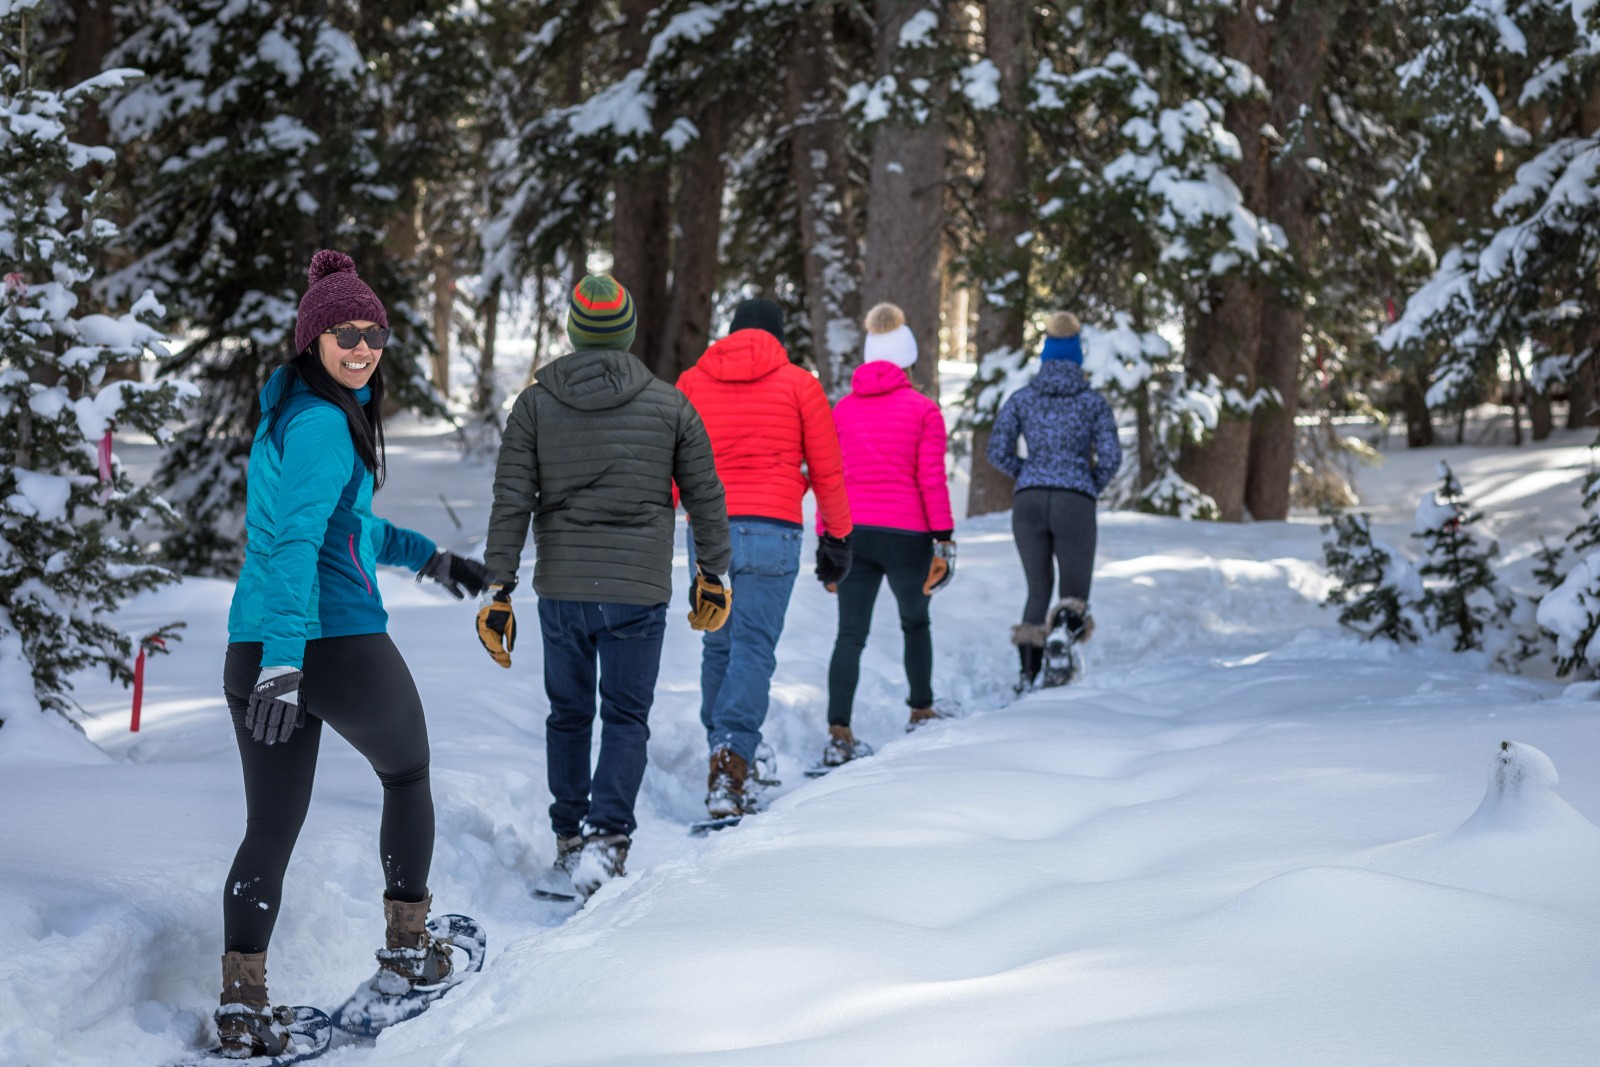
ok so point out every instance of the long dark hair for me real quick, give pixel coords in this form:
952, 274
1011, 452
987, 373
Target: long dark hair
366, 422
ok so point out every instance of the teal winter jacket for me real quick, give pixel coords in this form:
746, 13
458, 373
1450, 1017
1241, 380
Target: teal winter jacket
312, 541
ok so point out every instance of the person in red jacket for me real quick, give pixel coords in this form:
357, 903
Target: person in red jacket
772, 436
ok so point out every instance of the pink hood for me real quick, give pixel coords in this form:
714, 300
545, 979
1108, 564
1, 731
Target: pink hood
893, 442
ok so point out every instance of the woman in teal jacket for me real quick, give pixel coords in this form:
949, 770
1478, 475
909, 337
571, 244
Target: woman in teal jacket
308, 644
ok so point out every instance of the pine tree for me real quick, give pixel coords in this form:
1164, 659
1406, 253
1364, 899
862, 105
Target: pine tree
263, 133
1378, 588
69, 512
1514, 91
1461, 594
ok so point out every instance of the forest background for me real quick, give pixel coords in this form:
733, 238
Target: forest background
1271, 217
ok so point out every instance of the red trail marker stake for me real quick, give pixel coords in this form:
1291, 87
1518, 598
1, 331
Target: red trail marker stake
138, 681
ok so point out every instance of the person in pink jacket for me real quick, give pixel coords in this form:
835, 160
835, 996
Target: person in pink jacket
892, 440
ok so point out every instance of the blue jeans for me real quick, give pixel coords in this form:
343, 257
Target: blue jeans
626, 640
738, 660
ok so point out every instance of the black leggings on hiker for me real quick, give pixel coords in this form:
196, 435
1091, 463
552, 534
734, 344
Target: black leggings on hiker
1054, 526
901, 556
359, 686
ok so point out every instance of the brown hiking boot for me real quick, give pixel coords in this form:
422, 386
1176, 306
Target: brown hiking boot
843, 747
246, 1024
923, 716
410, 956
603, 857
725, 791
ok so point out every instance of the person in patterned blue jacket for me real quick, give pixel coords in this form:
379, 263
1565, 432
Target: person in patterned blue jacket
308, 645
1072, 455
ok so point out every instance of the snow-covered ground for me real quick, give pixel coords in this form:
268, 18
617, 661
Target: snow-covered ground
1248, 838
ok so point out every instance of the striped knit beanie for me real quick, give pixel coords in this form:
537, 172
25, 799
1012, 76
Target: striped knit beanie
600, 315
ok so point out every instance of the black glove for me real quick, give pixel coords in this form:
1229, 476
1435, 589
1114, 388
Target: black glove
456, 573
833, 560
275, 711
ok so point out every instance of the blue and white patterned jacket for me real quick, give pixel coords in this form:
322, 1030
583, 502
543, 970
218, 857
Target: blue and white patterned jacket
1070, 430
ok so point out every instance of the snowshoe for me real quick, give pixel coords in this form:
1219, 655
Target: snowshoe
841, 749
310, 1034
1070, 625
711, 826
386, 998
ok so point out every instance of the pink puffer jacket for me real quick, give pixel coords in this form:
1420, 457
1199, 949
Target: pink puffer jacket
892, 439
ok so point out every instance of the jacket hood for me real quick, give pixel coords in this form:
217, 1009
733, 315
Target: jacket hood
276, 385
1060, 377
879, 376
595, 379
744, 356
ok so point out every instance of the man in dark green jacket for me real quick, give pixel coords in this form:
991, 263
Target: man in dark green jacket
591, 451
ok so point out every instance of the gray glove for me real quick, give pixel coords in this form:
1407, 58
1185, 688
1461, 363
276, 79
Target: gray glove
275, 710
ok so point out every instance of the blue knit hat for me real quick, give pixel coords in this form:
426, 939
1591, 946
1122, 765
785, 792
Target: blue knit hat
1061, 339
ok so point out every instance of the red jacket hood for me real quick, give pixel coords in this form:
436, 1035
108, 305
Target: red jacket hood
879, 376
744, 356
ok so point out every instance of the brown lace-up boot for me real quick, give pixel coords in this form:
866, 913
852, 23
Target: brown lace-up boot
725, 792
246, 1024
410, 956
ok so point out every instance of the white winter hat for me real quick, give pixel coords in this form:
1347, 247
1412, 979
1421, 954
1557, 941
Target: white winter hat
889, 338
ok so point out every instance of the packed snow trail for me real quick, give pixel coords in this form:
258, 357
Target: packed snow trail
1248, 836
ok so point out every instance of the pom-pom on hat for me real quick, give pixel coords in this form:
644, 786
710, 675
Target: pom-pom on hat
600, 314
889, 338
336, 294
1061, 340
1061, 324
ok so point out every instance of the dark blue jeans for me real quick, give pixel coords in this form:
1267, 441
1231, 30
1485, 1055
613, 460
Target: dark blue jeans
738, 660
625, 640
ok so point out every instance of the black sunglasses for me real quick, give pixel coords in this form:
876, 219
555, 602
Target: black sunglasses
350, 336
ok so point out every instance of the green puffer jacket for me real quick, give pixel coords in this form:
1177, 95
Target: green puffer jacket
591, 451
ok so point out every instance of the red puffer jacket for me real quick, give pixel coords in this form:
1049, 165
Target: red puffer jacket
766, 417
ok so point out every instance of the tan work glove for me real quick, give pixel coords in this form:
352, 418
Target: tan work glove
497, 625
710, 602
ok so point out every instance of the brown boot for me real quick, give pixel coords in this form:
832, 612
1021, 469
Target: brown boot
843, 747
410, 956
923, 716
604, 857
725, 792
246, 1024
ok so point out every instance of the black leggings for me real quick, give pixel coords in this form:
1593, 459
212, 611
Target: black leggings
903, 557
1054, 525
359, 686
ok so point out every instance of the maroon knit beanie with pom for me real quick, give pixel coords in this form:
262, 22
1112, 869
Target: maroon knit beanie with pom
336, 294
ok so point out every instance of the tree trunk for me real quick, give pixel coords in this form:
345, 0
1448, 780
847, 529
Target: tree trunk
1297, 67
1540, 418
1581, 407
1225, 337
694, 261
821, 178
641, 219
444, 297
1005, 183
490, 312
905, 201
1419, 420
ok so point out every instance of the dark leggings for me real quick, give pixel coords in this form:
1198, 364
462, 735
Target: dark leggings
359, 686
1054, 526
903, 557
